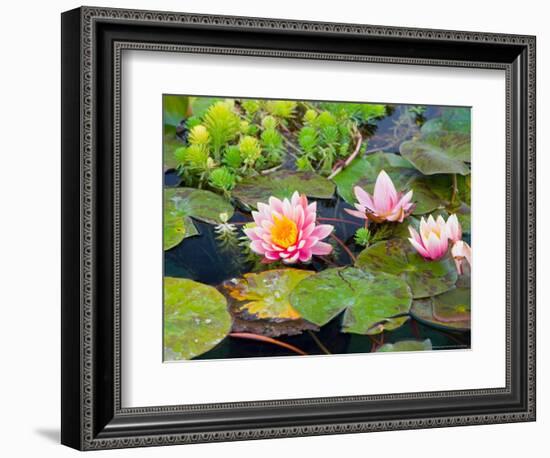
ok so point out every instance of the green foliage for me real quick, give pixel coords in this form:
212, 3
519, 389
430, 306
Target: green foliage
308, 139
398, 257
269, 123
272, 143
370, 301
250, 150
323, 139
310, 116
199, 135
362, 236
222, 179
284, 109
175, 109
250, 106
304, 165
196, 156
362, 112
195, 318
223, 125
232, 157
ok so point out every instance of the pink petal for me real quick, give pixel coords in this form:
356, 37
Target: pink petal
276, 204
257, 247
299, 216
308, 230
454, 231
312, 208
435, 246
385, 194
271, 255
363, 197
356, 213
292, 259
322, 231
287, 209
310, 241
305, 255
295, 199
421, 250
251, 233
321, 248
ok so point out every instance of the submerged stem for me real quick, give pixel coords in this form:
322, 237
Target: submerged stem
248, 335
455, 189
319, 343
344, 246
339, 220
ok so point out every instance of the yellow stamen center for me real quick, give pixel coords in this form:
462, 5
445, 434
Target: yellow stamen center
284, 232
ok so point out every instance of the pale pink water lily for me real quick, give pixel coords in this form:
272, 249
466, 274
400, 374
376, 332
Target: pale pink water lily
461, 251
386, 204
432, 242
454, 229
286, 230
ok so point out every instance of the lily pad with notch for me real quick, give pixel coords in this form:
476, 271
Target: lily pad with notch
371, 302
443, 145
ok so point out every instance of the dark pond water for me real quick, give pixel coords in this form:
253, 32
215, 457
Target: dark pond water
201, 259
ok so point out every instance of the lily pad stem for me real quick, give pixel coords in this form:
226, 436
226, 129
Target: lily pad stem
319, 343
455, 189
348, 161
339, 220
344, 246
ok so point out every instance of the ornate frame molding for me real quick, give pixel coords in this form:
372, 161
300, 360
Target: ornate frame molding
89, 434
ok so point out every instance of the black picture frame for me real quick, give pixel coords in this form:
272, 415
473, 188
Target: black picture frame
92, 42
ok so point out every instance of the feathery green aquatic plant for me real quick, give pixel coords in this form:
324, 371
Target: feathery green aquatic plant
223, 125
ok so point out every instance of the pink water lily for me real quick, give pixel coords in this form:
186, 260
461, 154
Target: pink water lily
286, 230
386, 204
454, 229
461, 251
433, 241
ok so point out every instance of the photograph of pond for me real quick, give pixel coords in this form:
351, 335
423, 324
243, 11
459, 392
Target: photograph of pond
302, 227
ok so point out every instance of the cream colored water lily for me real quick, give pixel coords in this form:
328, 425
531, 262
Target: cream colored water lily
461, 252
287, 231
454, 229
386, 204
433, 241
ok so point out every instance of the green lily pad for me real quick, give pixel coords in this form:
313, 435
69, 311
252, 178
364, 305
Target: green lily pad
363, 172
450, 310
176, 225
175, 108
373, 302
195, 318
406, 345
282, 184
199, 204
170, 144
398, 257
443, 145
438, 154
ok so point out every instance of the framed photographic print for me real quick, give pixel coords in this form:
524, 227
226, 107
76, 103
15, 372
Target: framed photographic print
278, 228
